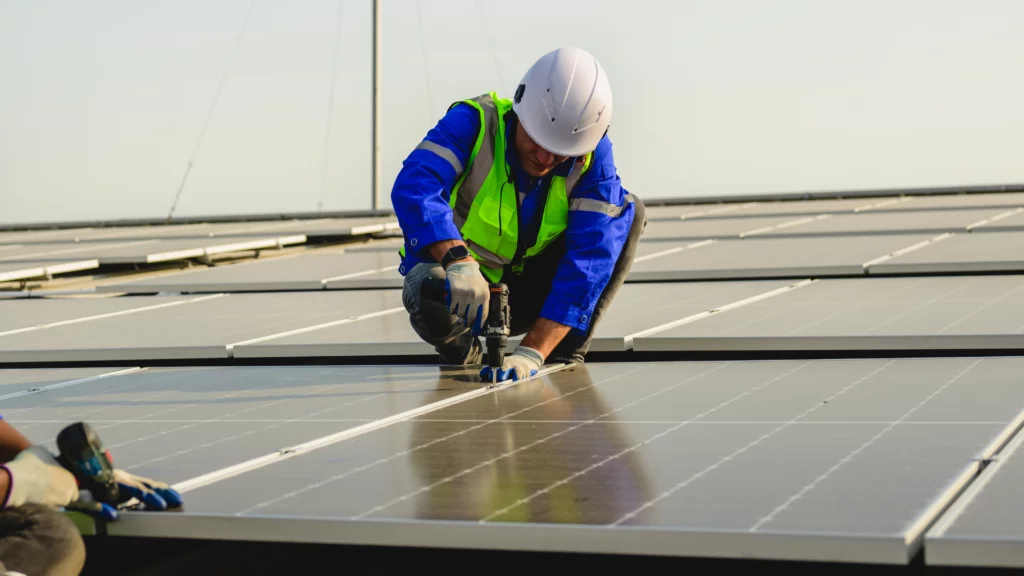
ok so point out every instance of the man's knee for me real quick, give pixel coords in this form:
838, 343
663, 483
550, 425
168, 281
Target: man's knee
639, 220
36, 539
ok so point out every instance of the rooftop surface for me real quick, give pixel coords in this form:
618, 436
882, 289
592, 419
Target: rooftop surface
832, 382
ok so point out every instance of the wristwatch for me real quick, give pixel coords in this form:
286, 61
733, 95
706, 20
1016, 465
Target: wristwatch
454, 253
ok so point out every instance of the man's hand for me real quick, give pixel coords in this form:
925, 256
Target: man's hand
521, 364
35, 477
154, 494
467, 293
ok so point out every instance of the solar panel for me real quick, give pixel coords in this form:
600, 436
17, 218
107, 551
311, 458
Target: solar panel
959, 201
10, 271
34, 313
168, 250
143, 251
984, 527
1011, 221
768, 257
316, 227
935, 222
308, 271
14, 383
953, 312
43, 235
178, 423
837, 460
720, 228
201, 327
637, 308
57, 252
1003, 251
686, 212
803, 208
326, 227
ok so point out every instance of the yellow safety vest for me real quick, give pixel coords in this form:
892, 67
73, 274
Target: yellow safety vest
486, 216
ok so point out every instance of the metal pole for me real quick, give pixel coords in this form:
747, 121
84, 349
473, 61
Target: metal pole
376, 104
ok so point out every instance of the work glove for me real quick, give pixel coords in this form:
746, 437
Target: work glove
154, 494
467, 294
37, 478
519, 365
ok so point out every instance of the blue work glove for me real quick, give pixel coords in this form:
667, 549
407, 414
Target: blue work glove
466, 294
155, 495
519, 365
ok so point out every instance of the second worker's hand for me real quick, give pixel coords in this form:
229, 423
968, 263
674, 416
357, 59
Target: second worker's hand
468, 293
154, 494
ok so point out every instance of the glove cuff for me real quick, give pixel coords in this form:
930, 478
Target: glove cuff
10, 486
531, 354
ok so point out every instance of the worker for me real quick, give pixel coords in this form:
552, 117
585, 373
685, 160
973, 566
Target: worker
35, 536
523, 192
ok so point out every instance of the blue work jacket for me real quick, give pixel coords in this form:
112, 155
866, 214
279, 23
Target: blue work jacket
593, 240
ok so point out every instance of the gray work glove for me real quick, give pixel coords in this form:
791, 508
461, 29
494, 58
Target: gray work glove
37, 478
467, 294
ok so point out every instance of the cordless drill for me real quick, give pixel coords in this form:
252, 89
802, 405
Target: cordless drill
497, 327
499, 319
82, 454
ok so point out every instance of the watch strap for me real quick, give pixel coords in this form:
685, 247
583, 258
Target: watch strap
453, 253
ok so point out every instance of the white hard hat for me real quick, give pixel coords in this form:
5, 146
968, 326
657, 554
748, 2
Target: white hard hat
564, 102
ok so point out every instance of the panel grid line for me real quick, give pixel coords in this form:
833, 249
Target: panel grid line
822, 477
983, 307
821, 320
486, 463
625, 451
111, 314
275, 423
919, 305
744, 449
367, 466
169, 410
299, 449
671, 251
79, 414
65, 384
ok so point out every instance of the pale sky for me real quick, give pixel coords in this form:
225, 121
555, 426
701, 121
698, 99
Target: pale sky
102, 102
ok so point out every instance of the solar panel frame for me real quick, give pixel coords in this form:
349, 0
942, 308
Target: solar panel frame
897, 222
864, 314
180, 423
13, 271
194, 328
719, 228
770, 258
636, 309
960, 201
306, 271
990, 252
975, 531
21, 314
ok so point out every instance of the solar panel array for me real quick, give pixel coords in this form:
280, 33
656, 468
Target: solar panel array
830, 380
29, 254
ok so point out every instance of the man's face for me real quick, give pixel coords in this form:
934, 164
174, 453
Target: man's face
536, 161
